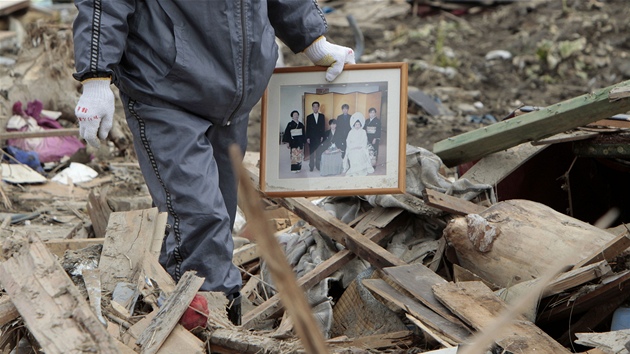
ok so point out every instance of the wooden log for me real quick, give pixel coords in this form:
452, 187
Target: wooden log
169, 314
51, 306
513, 241
292, 296
129, 235
326, 268
535, 125
477, 305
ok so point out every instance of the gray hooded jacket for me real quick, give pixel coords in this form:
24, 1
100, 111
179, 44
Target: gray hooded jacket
210, 57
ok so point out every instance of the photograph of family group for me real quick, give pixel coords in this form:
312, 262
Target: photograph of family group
333, 137
322, 143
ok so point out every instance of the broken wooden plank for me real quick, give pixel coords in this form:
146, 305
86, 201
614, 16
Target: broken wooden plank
608, 251
577, 277
494, 168
392, 340
580, 304
292, 296
611, 342
59, 247
129, 235
418, 280
245, 254
229, 341
99, 211
324, 269
593, 318
39, 134
477, 305
619, 93
8, 312
535, 125
449, 203
428, 331
169, 314
461, 274
340, 232
563, 282
575, 135
180, 340
8, 7
449, 332
50, 304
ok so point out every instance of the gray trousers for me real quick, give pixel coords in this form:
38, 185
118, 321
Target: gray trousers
186, 165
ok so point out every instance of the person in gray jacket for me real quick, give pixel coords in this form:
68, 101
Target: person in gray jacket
189, 73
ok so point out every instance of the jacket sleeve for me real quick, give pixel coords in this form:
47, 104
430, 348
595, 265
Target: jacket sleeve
100, 33
297, 23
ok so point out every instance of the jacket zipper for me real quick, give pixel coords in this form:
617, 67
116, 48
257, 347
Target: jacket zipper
244, 33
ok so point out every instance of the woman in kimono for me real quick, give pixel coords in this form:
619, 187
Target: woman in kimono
357, 159
294, 137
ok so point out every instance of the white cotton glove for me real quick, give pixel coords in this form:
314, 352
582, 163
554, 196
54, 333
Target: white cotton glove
95, 110
333, 56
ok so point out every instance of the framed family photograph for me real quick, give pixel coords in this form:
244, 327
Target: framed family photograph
345, 137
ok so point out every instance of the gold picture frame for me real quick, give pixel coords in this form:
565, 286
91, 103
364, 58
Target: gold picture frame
363, 89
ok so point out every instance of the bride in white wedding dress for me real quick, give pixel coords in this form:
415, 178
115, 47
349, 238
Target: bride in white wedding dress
357, 159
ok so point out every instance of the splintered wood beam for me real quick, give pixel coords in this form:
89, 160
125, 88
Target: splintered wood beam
99, 211
340, 232
531, 126
603, 294
180, 340
477, 305
130, 235
418, 280
272, 306
393, 340
52, 307
450, 204
169, 314
292, 296
609, 251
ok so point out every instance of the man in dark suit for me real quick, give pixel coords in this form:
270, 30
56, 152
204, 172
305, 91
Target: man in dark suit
315, 130
343, 121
